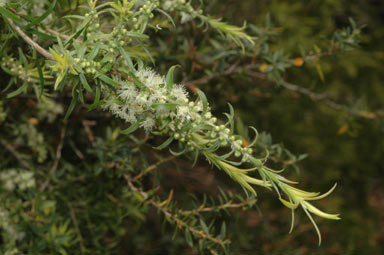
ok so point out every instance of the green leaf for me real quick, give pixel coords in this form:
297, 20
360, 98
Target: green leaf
59, 78
9, 14
84, 82
94, 52
166, 122
40, 72
288, 204
188, 238
230, 117
178, 153
164, 144
169, 78
109, 81
166, 15
204, 100
168, 106
75, 35
127, 59
204, 226
132, 128
18, 91
44, 15
96, 102
223, 231
72, 105
320, 71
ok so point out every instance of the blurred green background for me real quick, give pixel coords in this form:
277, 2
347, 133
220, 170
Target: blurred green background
341, 148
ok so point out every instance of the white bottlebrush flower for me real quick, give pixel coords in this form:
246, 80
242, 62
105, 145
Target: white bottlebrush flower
185, 17
183, 113
179, 93
149, 78
141, 99
131, 116
127, 93
113, 107
148, 124
12, 179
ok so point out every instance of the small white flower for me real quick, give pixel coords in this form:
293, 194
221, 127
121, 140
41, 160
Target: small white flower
141, 99
148, 124
128, 93
185, 17
182, 112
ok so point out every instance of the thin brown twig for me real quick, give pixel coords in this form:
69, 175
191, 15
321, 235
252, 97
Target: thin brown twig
57, 156
314, 96
228, 205
31, 42
58, 33
76, 150
249, 70
77, 229
152, 167
180, 223
15, 154
86, 125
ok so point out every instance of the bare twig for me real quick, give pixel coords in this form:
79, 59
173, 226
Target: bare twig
314, 96
74, 220
249, 70
152, 167
57, 157
58, 33
227, 205
41, 50
86, 125
15, 154
180, 223
76, 150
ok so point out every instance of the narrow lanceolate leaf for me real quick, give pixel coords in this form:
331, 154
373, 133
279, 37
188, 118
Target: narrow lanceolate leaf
59, 78
75, 35
132, 128
40, 72
9, 14
94, 52
169, 78
188, 238
109, 81
84, 82
127, 59
44, 15
223, 231
204, 226
164, 144
166, 15
204, 100
72, 105
96, 102
18, 91
288, 204
168, 106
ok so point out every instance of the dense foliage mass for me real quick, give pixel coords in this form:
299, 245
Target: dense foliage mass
103, 152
